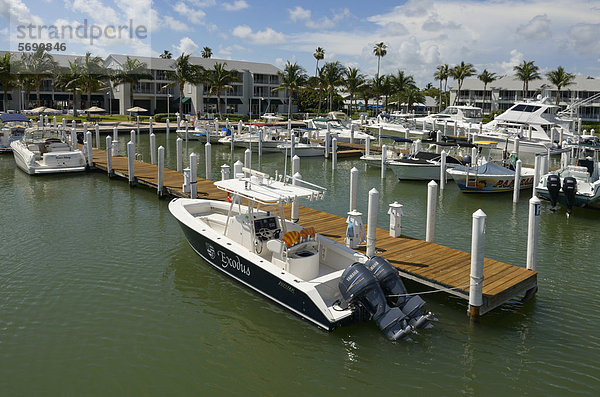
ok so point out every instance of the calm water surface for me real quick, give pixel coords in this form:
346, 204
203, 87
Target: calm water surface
101, 295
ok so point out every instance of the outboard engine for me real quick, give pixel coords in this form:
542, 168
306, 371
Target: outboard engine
396, 294
361, 290
553, 185
569, 188
466, 160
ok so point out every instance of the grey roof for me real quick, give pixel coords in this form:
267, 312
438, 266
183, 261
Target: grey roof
61, 59
510, 83
208, 63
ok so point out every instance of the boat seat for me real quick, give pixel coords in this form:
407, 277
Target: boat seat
276, 246
58, 147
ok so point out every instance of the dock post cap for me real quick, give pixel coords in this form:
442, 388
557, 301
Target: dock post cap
535, 200
432, 183
479, 214
373, 191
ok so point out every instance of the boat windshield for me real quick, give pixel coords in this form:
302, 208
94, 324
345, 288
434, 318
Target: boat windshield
472, 113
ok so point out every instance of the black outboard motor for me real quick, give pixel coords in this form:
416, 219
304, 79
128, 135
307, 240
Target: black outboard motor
396, 294
361, 290
553, 185
466, 160
569, 188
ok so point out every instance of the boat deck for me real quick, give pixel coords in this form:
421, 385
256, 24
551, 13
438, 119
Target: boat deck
433, 265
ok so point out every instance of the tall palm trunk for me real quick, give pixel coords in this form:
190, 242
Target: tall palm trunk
4, 98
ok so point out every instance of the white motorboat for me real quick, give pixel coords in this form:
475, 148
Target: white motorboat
535, 123
12, 127
272, 137
314, 277
453, 116
303, 148
490, 177
205, 130
577, 183
46, 152
422, 166
336, 129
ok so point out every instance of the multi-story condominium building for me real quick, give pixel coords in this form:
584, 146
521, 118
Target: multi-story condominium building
504, 92
253, 93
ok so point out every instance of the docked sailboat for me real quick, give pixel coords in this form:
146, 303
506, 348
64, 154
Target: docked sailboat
314, 277
577, 183
45, 151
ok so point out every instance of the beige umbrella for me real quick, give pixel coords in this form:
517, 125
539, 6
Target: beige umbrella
44, 109
137, 109
95, 109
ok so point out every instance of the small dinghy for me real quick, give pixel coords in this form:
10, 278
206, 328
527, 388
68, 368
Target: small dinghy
316, 278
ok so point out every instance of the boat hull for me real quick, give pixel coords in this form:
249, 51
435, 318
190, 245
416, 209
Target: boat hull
241, 269
490, 183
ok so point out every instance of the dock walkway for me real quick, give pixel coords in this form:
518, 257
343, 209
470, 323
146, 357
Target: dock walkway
430, 264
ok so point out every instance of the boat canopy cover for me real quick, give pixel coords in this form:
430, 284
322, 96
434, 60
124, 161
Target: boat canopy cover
489, 168
6, 117
397, 138
268, 191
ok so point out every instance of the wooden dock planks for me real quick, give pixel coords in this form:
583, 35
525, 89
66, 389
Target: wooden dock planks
427, 263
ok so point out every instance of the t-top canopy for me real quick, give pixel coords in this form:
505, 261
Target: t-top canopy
262, 189
6, 117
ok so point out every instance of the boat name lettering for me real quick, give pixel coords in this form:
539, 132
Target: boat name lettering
233, 263
511, 183
285, 286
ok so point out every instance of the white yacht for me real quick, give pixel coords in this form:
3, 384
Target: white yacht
535, 123
316, 278
272, 136
336, 129
44, 151
204, 130
12, 127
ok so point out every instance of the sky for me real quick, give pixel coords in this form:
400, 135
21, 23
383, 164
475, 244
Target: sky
420, 34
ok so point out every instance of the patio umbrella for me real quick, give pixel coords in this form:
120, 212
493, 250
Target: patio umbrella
137, 109
94, 109
44, 109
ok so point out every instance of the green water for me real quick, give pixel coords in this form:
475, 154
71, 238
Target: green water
101, 295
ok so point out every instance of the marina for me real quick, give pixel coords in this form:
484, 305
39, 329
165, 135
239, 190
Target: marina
159, 299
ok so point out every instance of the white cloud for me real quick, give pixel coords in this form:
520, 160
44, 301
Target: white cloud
299, 14
236, 5
16, 12
173, 24
586, 38
186, 45
538, 28
195, 16
261, 37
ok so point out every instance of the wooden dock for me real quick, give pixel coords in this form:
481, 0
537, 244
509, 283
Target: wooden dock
430, 264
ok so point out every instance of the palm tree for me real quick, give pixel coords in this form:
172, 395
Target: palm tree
319, 55
93, 75
132, 72
352, 82
412, 95
442, 73
220, 79
293, 78
69, 80
560, 78
166, 54
8, 77
366, 92
380, 50
400, 83
332, 73
459, 73
527, 72
40, 65
377, 89
206, 52
486, 78
185, 72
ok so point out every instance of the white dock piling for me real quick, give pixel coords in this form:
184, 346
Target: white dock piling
248, 159
73, 124
380, 133
237, 169
477, 255
296, 203
89, 149
186, 180
161, 171
187, 128
327, 143
152, 149
517, 187
224, 172
130, 158
167, 129
150, 126
137, 118
383, 160
533, 231
353, 188
431, 208
372, 221
445, 127
295, 164
438, 138
73, 138
178, 121
260, 142
368, 146
517, 146
395, 213
443, 170
289, 126
179, 150
292, 146
334, 153
193, 175
352, 133
109, 155
536, 172
208, 160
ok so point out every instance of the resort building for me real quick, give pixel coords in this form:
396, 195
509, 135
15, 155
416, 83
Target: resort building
253, 93
504, 92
